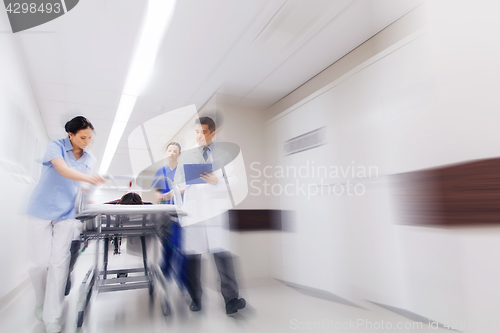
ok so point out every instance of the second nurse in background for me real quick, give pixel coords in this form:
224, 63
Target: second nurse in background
173, 259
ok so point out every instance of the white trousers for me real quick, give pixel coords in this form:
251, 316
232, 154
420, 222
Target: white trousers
49, 245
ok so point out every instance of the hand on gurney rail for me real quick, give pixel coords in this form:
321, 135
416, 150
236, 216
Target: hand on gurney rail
86, 190
95, 179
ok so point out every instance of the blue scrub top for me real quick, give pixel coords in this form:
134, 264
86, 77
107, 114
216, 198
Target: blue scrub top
54, 196
160, 181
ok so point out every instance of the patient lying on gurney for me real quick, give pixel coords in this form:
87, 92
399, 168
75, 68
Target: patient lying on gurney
168, 235
130, 198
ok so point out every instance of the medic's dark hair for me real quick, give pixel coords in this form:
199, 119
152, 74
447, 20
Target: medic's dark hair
174, 144
76, 124
207, 121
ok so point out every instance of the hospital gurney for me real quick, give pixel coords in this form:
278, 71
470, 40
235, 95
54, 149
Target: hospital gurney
103, 222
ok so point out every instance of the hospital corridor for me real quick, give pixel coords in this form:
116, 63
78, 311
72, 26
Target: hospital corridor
249, 166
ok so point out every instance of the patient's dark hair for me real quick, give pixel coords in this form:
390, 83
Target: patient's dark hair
76, 124
131, 198
207, 121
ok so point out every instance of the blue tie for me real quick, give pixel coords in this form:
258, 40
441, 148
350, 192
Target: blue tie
205, 153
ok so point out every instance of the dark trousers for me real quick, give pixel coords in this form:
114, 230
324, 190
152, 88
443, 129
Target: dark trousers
173, 259
224, 263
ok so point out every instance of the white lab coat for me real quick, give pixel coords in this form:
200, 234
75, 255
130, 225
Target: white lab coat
206, 226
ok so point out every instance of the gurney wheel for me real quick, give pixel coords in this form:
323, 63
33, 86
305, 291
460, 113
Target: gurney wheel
79, 323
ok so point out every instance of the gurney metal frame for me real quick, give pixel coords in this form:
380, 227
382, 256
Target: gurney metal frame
102, 222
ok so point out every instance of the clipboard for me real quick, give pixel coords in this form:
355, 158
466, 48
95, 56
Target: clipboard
192, 172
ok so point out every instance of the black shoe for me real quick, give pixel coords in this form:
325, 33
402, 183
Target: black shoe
195, 306
234, 305
68, 286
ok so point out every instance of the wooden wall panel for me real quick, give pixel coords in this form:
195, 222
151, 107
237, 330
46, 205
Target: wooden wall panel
461, 194
255, 219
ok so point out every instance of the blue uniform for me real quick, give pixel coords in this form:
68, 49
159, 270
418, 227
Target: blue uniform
160, 180
54, 196
52, 228
172, 257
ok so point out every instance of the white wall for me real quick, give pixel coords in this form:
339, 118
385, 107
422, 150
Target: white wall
429, 99
22, 138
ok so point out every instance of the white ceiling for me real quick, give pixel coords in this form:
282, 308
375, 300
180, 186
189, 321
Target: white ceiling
257, 51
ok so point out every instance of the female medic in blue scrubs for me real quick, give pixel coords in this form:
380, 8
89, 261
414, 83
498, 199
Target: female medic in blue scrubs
172, 257
66, 163
160, 183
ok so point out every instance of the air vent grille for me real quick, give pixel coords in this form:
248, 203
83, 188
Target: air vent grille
305, 141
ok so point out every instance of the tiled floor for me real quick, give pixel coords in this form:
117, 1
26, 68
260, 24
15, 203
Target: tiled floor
272, 308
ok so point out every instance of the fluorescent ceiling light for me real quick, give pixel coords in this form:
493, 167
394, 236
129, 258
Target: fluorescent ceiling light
158, 16
125, 108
